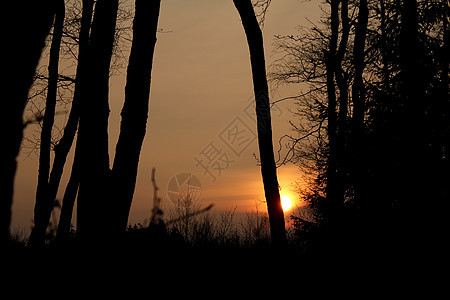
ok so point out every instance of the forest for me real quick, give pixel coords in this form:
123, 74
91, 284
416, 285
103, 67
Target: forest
370, 136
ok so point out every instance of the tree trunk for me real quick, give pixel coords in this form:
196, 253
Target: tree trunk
409, 100
65, 219
358, 97
341, 80
93, 206
65, 143
264, 126
413, 160
135, 110
44, 204
34, 21
442, 146
342, 129
358, 94
384, 46
334, 197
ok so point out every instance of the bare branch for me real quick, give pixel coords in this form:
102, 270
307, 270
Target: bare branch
261, 8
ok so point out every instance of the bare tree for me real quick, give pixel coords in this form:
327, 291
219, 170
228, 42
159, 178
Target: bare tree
135, 109
93, 206
33, 21
261, 7
68, 201
264, 126
413, 131
334, 185
74, 49
44, 204
63, 147
359, 101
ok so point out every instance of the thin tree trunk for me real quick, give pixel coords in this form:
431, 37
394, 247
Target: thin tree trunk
358, 62
341, 81
340, 78
441, 145
413, 161
135, 110
343, 85
65, 143
444, 103
384, 46
264, 126
333, 198
34, 21
93, 203
410, 131
358, 97
65, 219
44, 205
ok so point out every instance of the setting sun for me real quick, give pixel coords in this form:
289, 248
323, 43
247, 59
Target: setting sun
286, 202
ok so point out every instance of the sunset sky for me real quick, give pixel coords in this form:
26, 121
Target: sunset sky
201, 90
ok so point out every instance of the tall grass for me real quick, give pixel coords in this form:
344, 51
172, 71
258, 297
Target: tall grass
218, 229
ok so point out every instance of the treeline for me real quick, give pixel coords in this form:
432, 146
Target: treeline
373, 123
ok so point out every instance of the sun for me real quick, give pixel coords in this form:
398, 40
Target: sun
286, 202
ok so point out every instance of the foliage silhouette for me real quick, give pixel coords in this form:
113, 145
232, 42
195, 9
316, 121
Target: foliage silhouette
369, 139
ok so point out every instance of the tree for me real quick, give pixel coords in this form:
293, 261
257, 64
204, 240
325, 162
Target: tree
359, 103
264, 126
44, 204
63, 147
98, 182
135, 110
414, 138
93, 207
334, 193
73, 51
68, 201
387, 167
322, 57
34, 21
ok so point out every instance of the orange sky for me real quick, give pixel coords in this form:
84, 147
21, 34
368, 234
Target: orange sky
201, 82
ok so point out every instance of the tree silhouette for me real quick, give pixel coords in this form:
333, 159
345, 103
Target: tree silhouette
264, 126
135, 110
44, 203
93, 205
106, 195
359, 102
64, 145
74, 49
34, 21
374, 83
68, 201
334, 187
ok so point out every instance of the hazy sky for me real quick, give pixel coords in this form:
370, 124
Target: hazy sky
201, 86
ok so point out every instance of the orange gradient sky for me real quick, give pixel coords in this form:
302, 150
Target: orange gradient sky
201, 82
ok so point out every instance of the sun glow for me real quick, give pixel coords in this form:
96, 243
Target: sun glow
286, 202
